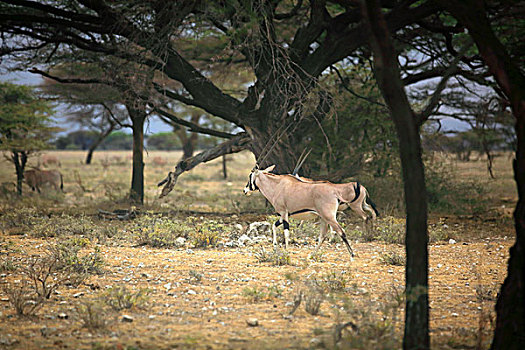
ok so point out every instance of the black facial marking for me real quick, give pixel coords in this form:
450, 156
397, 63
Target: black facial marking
286, 225
278, 223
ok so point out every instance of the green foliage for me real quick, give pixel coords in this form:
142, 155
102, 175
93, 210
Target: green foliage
19, 220
65, 226
67, 254
80, 139
255, 295
24, 119
360, 137
207, 233
117, 140
164, 141
120, 298
158, 231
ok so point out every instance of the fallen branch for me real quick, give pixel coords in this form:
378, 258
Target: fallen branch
236, 144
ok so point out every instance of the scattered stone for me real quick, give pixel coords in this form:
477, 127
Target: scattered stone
126, 318
45, 331
4, 299
189, 251
252, 322
63, 316
452, 241
78, 295
316, 343
259, 228
152, 317
191, 292
8, 340
244, 240
180, 242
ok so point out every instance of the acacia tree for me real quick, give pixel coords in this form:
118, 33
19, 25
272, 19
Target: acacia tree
285, 57
24, 126
93, 107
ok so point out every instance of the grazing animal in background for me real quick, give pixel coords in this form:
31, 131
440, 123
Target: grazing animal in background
159, 161
36, 178
292, 195
48, 160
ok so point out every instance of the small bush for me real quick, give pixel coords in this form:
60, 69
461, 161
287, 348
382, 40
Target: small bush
120, 298
276, 257
255, 295
159, 232
19, 220
65, 226
195, 277
24, 299
67, 255
316, 255
393, 258
207, 234
313, 298
92, 315
332, 282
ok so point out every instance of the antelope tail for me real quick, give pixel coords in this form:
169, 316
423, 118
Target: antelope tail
372, 204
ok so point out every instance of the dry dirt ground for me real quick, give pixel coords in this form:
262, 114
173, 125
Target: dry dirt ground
211, 298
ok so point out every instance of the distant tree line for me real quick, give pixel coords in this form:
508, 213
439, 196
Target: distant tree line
120, 140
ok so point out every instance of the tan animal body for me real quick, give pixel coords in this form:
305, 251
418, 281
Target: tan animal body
36, 178
291, 195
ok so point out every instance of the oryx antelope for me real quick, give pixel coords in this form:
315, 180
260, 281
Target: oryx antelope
292, 195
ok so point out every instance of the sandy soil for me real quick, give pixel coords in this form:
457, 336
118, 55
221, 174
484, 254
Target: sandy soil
182, 312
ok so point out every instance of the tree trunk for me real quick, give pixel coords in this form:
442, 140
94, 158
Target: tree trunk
510, 307
274, 148
97, 143
224, 167
138, 118
416, 334
19, 160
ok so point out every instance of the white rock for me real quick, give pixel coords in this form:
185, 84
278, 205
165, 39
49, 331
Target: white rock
180, 241
252, 322
451, 241
126, 318
245, 240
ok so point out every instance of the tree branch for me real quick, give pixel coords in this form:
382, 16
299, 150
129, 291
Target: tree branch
172, 119
236, 144
422, 116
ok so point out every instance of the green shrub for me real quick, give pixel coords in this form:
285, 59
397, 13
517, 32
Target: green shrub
393, 258
255, 295
276, 256
93, 315
120, 298
207, 233
157, 231
65, 226
19, 220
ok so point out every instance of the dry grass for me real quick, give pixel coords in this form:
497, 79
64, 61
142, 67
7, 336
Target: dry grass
202, 293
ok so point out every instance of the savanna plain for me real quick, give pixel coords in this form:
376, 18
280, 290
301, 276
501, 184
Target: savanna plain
83, 269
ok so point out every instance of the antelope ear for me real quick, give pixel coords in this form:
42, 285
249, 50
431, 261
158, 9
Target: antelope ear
270, 168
